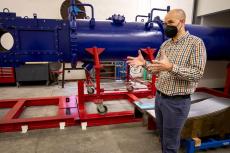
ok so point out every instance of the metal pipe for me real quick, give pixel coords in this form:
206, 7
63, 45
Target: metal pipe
89, 5
160, 25
144, 16
157, 9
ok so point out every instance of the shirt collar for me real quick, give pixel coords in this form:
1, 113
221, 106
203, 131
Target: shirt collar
181, 38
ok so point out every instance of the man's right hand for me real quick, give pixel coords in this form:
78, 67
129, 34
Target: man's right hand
136, 61
150, 68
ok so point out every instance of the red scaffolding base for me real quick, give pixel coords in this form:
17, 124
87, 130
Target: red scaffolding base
101, 97
110, 117
71, 110
11, 121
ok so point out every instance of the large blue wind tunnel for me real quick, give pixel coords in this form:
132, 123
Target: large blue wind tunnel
53, 40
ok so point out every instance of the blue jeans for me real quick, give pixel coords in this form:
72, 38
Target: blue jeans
171, 114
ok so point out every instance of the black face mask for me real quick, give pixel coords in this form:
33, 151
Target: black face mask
170, 31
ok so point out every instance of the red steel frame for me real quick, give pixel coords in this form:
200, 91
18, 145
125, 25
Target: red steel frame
11, 121
100, 96
227, 83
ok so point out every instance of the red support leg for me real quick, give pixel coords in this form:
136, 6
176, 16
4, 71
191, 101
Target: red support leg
96, 52
88, 82
81, 105
153, 88
150, 51
227, 83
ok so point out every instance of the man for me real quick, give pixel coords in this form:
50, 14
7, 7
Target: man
179, 66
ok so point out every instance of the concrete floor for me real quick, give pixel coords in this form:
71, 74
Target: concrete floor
122, 138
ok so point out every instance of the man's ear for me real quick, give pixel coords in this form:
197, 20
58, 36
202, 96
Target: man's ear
182, 21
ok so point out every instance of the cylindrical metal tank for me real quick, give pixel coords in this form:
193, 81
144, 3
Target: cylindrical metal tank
121, 41
216, 40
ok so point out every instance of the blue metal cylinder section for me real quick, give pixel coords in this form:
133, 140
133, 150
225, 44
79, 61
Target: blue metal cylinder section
216, 40
119, 41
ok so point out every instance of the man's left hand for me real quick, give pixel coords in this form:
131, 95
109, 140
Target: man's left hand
161, 65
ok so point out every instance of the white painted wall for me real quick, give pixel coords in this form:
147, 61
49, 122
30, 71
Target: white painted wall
51, 8
206, 7
44, 8
106, 8
218, 19
103, 8
186, 5
146, 5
